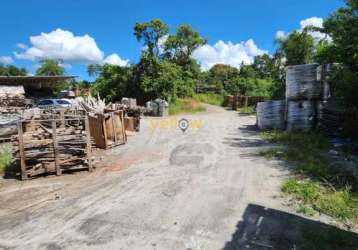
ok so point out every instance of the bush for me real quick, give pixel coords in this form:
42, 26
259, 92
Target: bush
210, 98
178, 106
5, 158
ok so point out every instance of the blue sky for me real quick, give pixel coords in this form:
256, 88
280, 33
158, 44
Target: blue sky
250, 26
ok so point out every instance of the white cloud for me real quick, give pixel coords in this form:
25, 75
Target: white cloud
280, 34
227, 53
114, 59
315, 22
312, 21
62, 44
6, 60
22, 46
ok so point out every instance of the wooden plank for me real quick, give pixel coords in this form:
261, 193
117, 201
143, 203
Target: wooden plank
114, 129
55, 149
22, 152
123, 128
89, 149
103, 122
62, 118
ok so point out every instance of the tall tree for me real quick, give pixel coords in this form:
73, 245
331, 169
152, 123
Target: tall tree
181, 46
113, 83
342, 27
297, 48
50, 67
150, 33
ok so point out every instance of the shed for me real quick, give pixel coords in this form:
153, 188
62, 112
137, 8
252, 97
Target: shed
35, 86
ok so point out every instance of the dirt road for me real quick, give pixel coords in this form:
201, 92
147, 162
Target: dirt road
165, 189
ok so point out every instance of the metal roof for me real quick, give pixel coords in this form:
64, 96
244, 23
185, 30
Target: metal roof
33, 80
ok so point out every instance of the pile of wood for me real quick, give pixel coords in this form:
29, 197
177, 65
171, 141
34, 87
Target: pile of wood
336, 122
12, 98
228, 101
49, 146
16, 101
245, 101
108, 129
132, 115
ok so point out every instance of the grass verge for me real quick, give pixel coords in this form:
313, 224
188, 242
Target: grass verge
247, 110
210, 98
316, 196
321, 185
5, 158
185, 106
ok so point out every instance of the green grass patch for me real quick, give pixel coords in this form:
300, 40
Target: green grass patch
210, 98
327, 188
306, 149
341, 204
249, 110
5, 158
185, 106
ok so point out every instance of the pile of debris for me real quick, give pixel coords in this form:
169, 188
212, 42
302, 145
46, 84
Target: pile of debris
52, 146
12, 99
56, 140
97, 107
237, 102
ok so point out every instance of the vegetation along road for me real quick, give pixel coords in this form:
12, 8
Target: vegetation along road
206, 188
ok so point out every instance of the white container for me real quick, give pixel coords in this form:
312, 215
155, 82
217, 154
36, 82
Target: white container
270, 115
300, 115
163, 107
302, 83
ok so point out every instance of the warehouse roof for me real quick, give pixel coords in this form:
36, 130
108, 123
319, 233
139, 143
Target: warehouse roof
34, 81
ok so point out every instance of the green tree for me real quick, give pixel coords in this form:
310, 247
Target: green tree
157, 78
342, 27
180, 47
224, 77
10, 70
150, 33
50, 67
297, 48
113, 82
264, 65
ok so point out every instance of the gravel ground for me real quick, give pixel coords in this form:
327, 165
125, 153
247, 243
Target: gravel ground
165, 189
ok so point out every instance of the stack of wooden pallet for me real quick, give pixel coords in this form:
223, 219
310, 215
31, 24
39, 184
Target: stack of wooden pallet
108, 129
46, 146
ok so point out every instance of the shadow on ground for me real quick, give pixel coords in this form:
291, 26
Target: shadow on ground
246, 139
264, 228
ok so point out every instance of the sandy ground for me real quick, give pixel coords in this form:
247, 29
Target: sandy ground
165, 189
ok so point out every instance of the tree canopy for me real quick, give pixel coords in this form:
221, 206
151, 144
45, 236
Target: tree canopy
50, 67
10, 70
180, 47
297, 48
150, 33
166, 68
